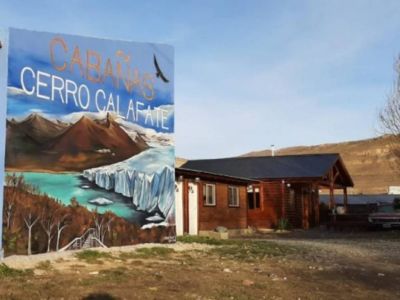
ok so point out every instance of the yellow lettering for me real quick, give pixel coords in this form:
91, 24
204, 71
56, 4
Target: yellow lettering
53, 43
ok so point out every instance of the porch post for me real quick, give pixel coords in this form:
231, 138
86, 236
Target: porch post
331, 198
332, 203
345, 198
185, 184
315, 203
283, 199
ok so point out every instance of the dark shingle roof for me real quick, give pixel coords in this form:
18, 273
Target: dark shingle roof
271, 167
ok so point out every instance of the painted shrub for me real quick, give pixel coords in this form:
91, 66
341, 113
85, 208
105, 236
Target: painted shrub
89, 152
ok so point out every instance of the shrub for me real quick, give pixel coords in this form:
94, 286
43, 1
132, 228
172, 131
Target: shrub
283, 224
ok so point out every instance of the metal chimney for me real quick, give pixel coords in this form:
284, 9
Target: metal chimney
272, 150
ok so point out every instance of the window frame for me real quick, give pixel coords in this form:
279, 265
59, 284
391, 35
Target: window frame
235, 188
257, 198
214, 194
253, 202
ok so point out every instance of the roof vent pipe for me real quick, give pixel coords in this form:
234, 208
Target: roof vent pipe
272, 150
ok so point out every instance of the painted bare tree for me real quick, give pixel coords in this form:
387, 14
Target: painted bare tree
107, 228
61, 222
102, 223
9, 205
13, 183
48, 223
30, 217
389, 116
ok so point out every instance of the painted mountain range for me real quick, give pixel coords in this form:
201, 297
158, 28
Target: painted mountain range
37, 143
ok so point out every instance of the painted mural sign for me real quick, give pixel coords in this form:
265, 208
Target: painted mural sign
89, 149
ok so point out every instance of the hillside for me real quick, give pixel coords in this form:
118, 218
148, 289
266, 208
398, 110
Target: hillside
370, 162
179, 161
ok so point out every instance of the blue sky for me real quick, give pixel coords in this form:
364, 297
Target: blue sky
249, 74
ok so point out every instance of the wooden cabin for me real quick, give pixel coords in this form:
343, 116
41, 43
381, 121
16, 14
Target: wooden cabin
205, 201
283, 187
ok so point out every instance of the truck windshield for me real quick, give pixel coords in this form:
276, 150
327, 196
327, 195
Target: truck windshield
388, 209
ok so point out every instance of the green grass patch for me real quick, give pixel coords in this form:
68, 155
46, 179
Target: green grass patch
243, 250
92, 256
154, 252
127, 255
44, 265
115, 275
7, 272
252, 250
203, 240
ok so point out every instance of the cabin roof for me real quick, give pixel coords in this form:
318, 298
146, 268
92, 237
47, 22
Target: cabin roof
310, 166
212, 176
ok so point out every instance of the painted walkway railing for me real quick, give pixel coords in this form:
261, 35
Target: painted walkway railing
87, 240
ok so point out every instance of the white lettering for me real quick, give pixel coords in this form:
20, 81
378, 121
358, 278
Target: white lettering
23, 82
96, 97
55, 87
84, 87
68, 91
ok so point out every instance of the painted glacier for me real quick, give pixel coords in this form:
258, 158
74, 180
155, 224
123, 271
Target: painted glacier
147, 178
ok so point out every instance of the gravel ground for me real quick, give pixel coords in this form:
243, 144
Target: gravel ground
361, 246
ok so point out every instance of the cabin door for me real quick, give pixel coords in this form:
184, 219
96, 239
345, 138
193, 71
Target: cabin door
179, 207
193, 208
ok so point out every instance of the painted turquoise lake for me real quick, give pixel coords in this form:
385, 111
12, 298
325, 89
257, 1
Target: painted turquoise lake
65, 186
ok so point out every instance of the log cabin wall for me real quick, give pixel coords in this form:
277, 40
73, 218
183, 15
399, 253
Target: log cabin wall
299, 203
269, 212
221, 214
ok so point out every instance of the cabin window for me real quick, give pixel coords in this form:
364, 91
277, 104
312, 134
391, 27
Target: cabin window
209, 194
253, 198
257, 198
233, 196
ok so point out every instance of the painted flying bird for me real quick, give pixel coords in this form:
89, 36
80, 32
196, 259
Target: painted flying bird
159, 73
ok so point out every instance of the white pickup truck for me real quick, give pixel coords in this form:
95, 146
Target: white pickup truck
386, 216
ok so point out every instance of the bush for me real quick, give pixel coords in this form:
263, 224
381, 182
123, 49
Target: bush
283, 224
